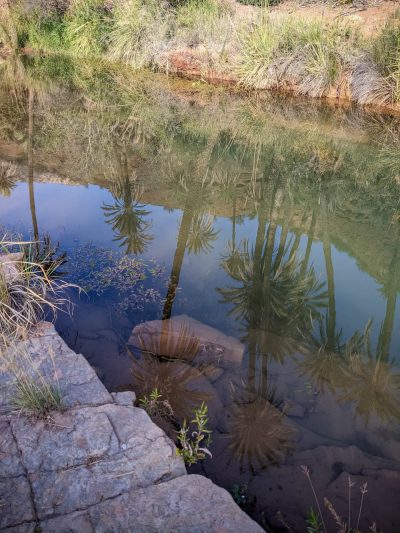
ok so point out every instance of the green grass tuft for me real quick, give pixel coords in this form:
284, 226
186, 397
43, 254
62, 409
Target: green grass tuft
37, 399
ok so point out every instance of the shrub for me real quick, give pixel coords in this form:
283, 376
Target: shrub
155, 406
207, 23
309, 54
87, 25
386, 53
139, 32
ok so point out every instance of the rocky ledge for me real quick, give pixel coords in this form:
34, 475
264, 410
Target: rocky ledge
100, 465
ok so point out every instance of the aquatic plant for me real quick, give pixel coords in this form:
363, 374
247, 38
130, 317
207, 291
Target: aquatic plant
100, 270
155, 406
315, 520
193, 442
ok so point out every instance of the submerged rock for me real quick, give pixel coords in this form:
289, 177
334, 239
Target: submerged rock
206, 345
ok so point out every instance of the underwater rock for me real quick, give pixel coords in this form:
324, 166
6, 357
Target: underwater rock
213, 347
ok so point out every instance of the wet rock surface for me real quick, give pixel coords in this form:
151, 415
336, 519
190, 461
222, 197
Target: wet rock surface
101, 464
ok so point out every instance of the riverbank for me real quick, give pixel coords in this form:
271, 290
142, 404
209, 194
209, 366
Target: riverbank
343, 54
99, 465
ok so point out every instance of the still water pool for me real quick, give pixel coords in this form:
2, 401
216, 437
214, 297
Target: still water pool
266, 234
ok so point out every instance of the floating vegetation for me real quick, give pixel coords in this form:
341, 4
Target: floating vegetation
129, 279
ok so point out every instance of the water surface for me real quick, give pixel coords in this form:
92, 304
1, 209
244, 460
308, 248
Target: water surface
274, 222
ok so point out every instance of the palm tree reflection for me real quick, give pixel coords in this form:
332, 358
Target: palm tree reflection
259, 435
8, 178
126, 215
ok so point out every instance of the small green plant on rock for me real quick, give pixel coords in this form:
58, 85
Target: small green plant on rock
193, 445
155, 406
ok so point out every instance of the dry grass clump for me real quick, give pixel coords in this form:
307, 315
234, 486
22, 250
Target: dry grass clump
37, 399
28, 286
308, 54
210, 28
